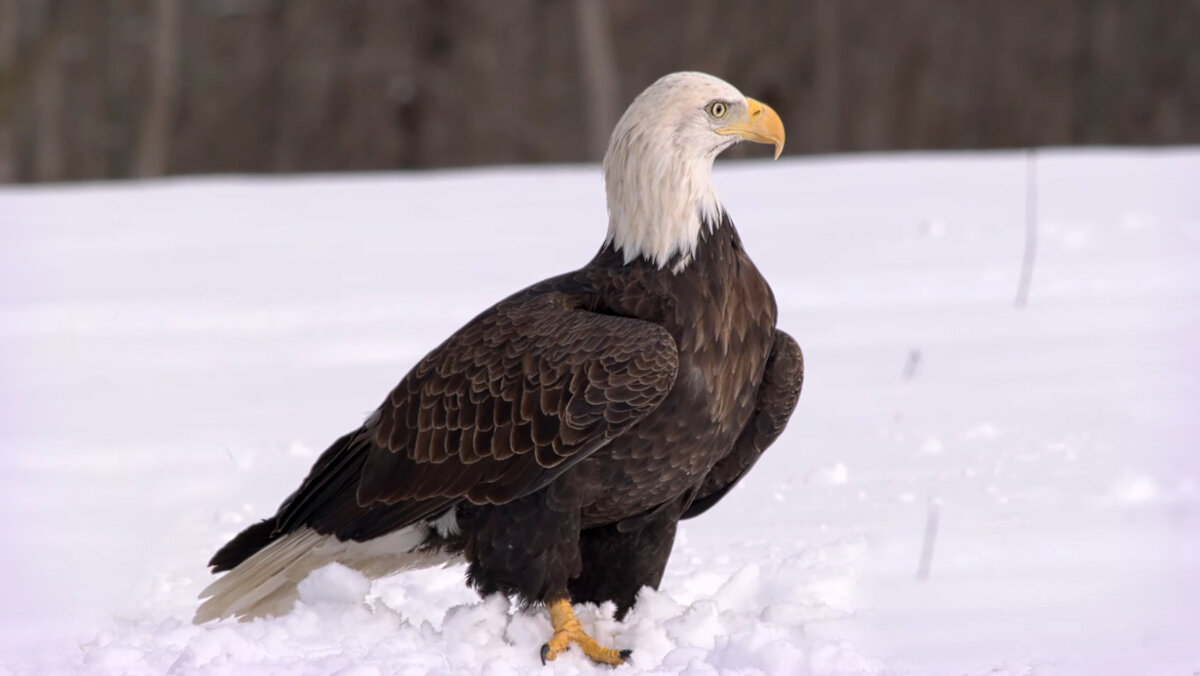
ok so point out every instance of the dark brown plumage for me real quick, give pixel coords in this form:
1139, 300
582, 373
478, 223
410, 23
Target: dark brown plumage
555, 441
547, 385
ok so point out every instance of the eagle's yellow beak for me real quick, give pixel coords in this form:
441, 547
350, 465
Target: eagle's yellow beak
763, 126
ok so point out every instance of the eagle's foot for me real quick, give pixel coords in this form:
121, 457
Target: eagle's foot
568, 629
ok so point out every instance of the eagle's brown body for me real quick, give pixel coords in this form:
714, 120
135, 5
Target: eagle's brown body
660, 391
723, 333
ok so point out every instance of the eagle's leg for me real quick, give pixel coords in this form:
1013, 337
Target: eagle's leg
621, 558
529, 548
567, 630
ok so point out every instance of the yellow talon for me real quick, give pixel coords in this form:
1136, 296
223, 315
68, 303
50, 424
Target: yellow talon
567, 629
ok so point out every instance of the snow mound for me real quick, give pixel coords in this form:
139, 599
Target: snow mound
334, 584
753, 623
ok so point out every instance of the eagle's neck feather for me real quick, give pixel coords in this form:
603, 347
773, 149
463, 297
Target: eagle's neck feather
659, 198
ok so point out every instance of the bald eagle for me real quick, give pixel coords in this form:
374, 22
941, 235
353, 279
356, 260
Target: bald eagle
555, 441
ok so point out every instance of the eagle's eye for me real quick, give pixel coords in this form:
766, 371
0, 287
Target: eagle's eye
717, 109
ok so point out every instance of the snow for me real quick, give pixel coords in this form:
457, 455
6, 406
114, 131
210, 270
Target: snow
175, 353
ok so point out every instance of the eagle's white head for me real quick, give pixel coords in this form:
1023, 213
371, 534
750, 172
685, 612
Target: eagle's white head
658, 168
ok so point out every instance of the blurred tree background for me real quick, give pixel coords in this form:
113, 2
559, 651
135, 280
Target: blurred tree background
117, 88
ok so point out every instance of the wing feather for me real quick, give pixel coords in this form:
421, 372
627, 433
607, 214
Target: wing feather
506, 404
513, 399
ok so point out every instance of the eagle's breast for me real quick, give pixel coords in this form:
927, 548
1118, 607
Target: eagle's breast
726, 322
721, 314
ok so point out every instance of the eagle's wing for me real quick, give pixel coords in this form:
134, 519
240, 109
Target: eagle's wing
776, 399
507, 403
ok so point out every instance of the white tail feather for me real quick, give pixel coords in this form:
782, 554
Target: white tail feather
266, 583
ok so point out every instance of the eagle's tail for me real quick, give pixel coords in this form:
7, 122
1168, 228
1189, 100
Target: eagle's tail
246, 544
322, 522
266, 582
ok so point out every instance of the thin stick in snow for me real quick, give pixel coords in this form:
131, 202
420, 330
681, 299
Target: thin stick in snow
1030, 256
931, 530
911, 364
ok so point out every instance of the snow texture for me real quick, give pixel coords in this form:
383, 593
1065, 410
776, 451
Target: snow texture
174, 354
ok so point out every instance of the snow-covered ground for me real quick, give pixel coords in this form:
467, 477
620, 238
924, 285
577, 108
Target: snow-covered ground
174, 354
